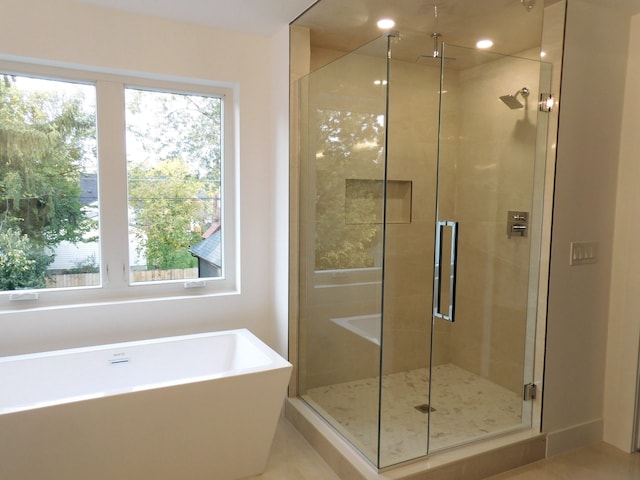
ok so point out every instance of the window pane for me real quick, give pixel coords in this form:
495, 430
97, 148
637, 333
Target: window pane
49, 236
174, 151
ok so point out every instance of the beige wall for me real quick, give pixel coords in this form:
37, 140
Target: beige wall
624, 308
487, 168
412, 151
595, 58
495, 174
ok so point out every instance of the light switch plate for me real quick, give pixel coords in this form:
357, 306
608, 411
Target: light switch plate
582, 253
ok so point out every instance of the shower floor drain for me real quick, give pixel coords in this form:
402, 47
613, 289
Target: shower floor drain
425, 408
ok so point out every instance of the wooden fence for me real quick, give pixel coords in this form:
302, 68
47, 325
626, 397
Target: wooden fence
69, 280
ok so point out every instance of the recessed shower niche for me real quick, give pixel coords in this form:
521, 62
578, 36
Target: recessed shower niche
365, 198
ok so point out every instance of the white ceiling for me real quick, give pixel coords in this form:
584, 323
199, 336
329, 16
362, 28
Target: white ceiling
262, 17
334, 21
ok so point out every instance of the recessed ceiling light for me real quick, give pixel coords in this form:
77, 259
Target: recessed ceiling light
486, 43
543, 54
386, 23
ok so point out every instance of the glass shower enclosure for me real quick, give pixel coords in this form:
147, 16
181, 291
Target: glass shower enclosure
420, 211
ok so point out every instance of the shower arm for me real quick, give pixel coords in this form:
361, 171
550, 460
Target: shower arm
436, 50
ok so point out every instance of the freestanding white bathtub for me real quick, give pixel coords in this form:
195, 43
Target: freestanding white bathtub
192, 407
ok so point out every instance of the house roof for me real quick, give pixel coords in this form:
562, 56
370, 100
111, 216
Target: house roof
210, 249
88, 188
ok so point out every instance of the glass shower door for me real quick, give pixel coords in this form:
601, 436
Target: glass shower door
492, 151
460, 267
342, 151
412, 154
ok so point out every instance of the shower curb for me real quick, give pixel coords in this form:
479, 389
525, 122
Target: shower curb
471, 462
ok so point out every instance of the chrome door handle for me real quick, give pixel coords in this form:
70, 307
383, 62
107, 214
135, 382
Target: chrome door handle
437, 281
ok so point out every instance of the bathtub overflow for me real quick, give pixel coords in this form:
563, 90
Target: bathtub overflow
119, 358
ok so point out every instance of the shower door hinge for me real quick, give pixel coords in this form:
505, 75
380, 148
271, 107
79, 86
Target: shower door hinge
530, 391
547, 102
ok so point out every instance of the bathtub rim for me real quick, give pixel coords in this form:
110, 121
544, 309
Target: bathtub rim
145, 341
274, 361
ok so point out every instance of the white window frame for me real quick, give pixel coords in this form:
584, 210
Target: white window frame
113, 199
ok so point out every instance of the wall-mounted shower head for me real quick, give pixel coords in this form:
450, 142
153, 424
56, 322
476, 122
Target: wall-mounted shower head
512, 101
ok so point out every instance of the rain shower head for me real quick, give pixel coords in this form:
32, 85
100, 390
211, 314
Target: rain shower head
436, 53
512, 101
432, 59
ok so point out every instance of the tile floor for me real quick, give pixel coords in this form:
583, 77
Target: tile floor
598, 462
292, 458
465, 407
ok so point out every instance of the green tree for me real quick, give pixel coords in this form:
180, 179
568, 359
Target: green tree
165, 202
22, 264
174, 154
44, 138
172, 125
352, 147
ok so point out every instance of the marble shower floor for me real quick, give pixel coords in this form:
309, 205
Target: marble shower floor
465, 407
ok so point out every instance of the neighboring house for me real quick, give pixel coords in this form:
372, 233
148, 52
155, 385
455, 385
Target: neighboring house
209, 253
68, 256
89, 188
